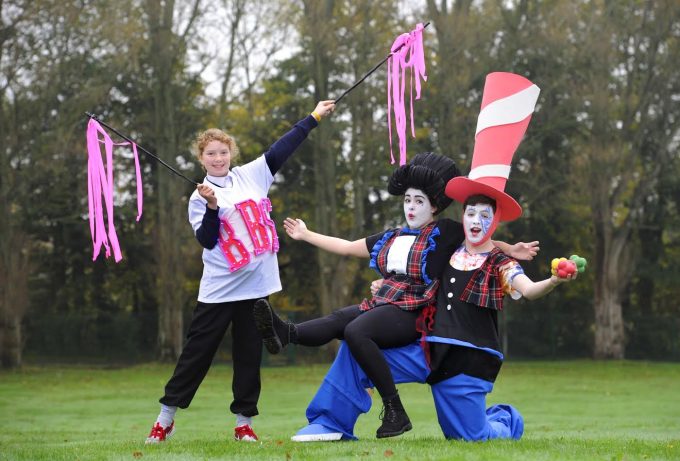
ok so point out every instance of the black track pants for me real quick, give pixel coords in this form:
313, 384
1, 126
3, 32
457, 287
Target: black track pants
208, 326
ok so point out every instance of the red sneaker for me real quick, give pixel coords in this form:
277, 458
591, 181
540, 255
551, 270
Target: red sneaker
159, 433
245, 434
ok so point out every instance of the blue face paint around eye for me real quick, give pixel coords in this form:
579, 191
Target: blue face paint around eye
486, 221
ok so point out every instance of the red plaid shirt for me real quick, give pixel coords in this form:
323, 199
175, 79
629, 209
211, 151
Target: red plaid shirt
407, 291
485, 288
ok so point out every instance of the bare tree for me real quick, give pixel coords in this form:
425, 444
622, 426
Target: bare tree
239, 42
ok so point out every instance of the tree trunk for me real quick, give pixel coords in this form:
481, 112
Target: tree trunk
164, 56
14, 251
170, 308
11, 343
609, 334
613, 272
14, 297
609, 278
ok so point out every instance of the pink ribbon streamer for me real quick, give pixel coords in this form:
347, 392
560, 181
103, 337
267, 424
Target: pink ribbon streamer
100, 183
411, 55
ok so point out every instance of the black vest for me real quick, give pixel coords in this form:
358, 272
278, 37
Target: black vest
463, 321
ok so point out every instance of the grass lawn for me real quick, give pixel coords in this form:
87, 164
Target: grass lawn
578, 410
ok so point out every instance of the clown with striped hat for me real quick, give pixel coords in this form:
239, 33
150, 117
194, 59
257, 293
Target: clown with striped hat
465, 344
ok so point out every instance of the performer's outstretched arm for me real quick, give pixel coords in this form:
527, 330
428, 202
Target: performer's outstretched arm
534, 290
297, 229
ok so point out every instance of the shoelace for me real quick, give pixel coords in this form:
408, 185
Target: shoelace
157, 432
389, 416
243, 431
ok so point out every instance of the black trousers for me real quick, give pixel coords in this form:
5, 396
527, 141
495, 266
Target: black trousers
366, 333
208, 326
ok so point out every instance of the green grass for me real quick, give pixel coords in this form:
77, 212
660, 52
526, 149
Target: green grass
573, 410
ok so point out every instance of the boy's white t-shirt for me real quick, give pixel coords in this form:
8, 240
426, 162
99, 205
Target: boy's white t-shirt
260, 276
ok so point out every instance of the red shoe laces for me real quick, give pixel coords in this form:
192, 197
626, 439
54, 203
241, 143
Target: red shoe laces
158, 432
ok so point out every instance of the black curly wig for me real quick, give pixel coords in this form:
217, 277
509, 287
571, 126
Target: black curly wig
428, 172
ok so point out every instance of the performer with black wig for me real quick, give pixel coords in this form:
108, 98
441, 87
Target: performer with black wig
410, 259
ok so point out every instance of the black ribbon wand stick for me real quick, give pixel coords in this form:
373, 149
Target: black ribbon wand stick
373, 70
141, 148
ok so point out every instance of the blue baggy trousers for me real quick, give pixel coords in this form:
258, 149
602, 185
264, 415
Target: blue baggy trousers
460, 401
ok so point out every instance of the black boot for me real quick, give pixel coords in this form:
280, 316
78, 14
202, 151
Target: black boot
394, 418
276, 333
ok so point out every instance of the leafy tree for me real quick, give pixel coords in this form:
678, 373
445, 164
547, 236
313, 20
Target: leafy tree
46, 58
628, 83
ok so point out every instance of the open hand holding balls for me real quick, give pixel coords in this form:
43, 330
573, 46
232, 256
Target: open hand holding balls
563, 267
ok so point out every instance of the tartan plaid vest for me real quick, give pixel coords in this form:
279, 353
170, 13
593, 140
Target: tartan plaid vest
413, 290
485, 288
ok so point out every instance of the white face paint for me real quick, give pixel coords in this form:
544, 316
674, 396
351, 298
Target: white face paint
477, 220
418, 210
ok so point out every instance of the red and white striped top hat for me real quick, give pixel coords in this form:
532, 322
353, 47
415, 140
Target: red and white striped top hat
507, 105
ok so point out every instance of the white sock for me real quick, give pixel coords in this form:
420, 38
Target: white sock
166, 416
242, 420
